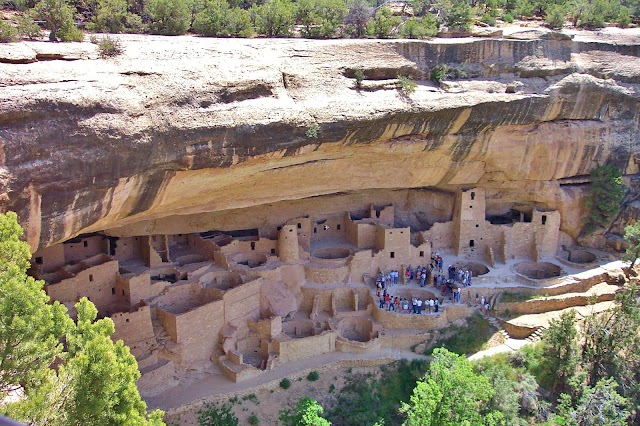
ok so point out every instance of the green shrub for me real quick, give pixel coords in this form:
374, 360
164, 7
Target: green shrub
251, 397
68, 32
489, 19
383, 23
285, 383
313, 376
420, 27
112, 16
168, 17
27, 27
624, 17
253, 420
312, 131
7, 32
507, 17
321, 18
524, 9
109, 47
275, 18
213, 415
406, 85
460, 16
555, 16
359, 76
217, 19
439, 73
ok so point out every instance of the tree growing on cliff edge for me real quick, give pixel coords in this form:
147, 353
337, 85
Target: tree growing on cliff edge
606, 195
94, 381
30, 328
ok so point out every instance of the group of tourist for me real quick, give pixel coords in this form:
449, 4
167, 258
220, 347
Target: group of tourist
449, 285
405, 306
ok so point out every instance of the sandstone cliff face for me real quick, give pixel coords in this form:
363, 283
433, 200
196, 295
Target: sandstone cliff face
189, 134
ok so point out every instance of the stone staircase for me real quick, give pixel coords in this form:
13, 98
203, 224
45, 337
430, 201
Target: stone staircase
495, 323
537, 335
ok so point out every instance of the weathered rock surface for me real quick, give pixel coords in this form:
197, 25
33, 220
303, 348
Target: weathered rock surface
189, 134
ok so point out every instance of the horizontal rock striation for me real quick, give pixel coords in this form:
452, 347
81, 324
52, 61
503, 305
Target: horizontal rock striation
189, 134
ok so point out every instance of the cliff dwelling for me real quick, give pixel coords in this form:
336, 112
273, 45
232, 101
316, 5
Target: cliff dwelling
250, 300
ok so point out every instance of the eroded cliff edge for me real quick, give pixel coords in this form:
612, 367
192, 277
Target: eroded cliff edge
189, 134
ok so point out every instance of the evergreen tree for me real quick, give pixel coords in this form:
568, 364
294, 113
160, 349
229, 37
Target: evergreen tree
30, 328
451, 394
168, 17
274, 18
56, 14
606, 194
560, 352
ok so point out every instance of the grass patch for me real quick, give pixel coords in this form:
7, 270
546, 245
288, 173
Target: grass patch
508, 297
469, 339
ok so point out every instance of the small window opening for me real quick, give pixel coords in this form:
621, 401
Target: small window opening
290, 230
85, 243
315, 230
127, 320
113, 290
377, 213
421, 254
470, 207
39, 260
392, 254
273, 251
90, 277
253, 246
473, 195
477, 226
123, 292
338, 227
544, 219
472, 243
299, 226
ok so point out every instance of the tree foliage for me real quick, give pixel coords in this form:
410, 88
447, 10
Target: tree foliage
113, 16
451, 393
274, 18
632, 237
56, 14
321, 18
94, 381
383, 23
307, 412
606, 194
168, 17
560, 351
30, 328
218, 19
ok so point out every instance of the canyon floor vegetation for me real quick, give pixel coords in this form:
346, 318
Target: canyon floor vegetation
66, 19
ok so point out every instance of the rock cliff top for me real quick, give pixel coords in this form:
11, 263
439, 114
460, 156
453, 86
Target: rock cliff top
198, 128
